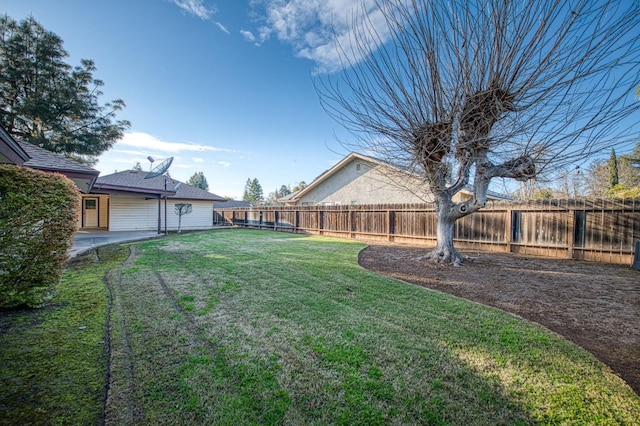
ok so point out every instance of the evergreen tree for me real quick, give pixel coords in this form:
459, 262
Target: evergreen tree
284, 191
245, 195
301, 185
613, 169
199, 181
256, 190
253, 192
45, 101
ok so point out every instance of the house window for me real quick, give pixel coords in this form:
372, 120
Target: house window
90, 204
358, 166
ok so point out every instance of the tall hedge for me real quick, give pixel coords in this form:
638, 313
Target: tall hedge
38, 216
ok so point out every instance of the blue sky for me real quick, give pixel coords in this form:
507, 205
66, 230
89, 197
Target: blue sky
225, 87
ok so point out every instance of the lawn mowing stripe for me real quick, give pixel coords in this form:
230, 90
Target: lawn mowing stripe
332, 324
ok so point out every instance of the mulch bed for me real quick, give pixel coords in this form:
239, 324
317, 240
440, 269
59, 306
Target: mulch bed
595, 305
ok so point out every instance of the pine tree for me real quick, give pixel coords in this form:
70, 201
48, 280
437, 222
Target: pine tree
256, 190
284, 191
199, 181
246, 194
253, 192
45, 101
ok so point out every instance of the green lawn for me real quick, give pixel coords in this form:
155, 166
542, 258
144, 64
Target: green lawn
258, 327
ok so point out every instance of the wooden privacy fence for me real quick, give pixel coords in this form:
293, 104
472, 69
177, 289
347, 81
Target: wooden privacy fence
602, 230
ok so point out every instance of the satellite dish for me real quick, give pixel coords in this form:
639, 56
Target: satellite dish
160, 169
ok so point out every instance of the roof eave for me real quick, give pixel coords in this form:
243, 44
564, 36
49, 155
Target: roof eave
109, 187
14, 153
328, 173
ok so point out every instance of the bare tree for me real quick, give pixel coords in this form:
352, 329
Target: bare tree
182, 209
462, 92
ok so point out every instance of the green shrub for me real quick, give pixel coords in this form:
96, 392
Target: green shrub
38, 216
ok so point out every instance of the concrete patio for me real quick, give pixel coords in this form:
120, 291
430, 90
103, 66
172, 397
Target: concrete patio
87, 240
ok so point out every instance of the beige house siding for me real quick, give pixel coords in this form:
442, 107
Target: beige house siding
135, 213
362, 182
201, 216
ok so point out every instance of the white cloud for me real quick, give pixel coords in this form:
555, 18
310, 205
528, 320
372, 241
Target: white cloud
195, 7
248, 35
222, 27
223, 164
316, 28
142, 140
198, 160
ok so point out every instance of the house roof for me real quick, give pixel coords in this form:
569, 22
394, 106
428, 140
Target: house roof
232, 204
289, 197
136, 181
42, 159
353, 156
25, 154
10, 151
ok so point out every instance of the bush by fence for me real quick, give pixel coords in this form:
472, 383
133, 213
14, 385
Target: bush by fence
37, 220
602, 230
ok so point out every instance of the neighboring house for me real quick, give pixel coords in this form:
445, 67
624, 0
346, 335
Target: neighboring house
34, 157
359, 179
231, 204
128, 201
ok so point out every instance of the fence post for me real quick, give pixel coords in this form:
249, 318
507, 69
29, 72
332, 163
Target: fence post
509, 231
571, 225
350, 222
391, 214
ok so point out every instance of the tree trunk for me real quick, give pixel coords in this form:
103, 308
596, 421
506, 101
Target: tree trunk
444, 252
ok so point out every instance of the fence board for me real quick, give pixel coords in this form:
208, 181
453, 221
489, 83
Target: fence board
602, 230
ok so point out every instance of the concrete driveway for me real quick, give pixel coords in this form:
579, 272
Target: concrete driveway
87, 240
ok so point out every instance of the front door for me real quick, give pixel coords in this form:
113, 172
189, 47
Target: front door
90, 211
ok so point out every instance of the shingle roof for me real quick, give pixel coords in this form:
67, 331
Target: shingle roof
28, 155
134, 181
42, 159
232, 204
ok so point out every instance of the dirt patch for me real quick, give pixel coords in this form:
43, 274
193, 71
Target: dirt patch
597, 306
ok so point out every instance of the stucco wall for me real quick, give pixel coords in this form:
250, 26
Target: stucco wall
362, 182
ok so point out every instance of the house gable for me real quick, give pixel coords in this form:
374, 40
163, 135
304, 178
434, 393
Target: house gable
362, 181
359, 179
